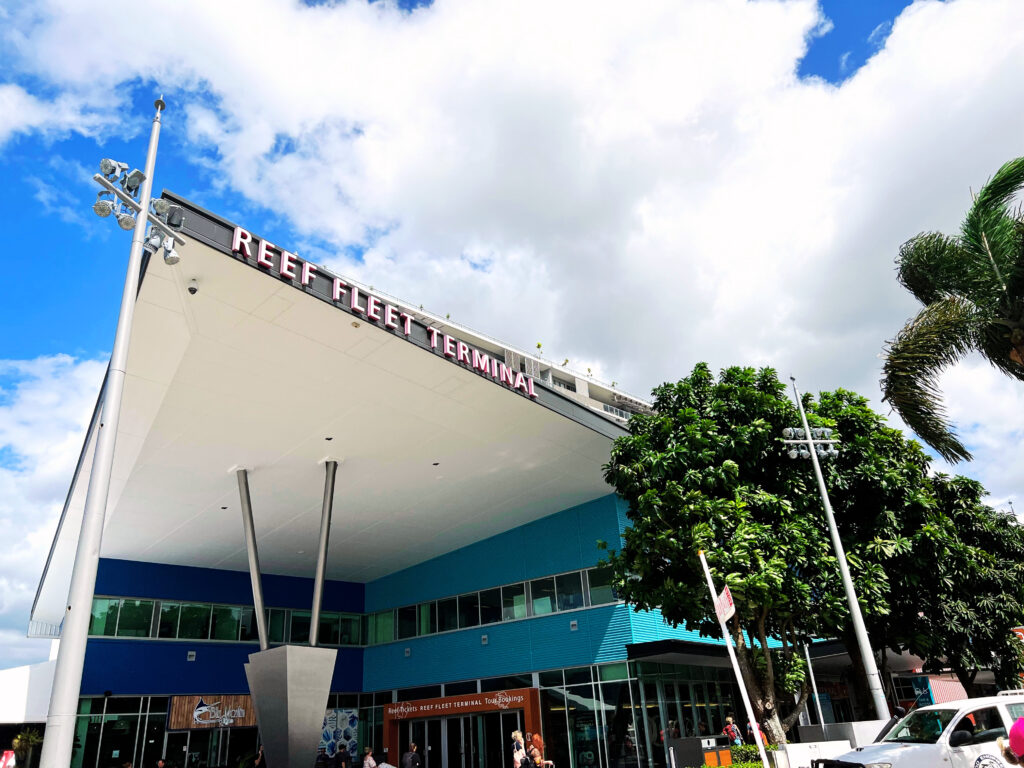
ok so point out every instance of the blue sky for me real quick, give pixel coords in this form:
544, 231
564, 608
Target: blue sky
711, 180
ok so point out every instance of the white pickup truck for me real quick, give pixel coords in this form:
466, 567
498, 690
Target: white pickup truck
957, 734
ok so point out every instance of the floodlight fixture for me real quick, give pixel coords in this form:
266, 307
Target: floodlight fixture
175, 216
171, 256
788, 433
132, 181
125, 220
161, 206
112, 168
793, 453
103, 207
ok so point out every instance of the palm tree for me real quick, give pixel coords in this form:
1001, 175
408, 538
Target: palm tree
972, 288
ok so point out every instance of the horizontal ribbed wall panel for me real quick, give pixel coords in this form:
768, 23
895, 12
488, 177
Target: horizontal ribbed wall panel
564, 541
520, 646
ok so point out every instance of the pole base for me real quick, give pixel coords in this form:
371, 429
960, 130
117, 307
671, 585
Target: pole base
289, 686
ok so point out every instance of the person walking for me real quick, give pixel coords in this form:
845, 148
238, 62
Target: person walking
412, 759
519, 757
732, 732
368, 761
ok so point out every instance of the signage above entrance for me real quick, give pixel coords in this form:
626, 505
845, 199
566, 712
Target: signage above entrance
459, 705
189, 712
307, 275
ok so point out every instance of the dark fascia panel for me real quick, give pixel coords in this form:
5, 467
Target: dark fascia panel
217, 233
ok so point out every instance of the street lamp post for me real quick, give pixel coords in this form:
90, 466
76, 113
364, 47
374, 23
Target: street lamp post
67, 681
808, 443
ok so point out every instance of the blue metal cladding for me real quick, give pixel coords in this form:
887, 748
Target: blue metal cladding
139, 667
155, 581
564, 541
546, 642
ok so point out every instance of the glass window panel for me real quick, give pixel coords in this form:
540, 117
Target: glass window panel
330, 629
124, 705
194, 623
600, 580
350, 630
226, 619
612, 671
513, 602
104, 616
383, 627
490, 606
407, 622
542, 596
469, 610
569, 588
249, 631
169, 619
555, 730
460, 688
620, 733
506, 682
427, 618
551, 679
136, 616
577, 675
276, 624
447, 614
299, 627
157, 704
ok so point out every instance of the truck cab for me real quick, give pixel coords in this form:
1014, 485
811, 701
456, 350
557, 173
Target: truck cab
957, 734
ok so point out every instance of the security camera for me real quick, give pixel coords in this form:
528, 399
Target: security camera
193, 286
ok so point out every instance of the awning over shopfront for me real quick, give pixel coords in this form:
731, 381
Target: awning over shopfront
258, 371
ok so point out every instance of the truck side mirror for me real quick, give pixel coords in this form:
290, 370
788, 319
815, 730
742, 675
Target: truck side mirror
960, 738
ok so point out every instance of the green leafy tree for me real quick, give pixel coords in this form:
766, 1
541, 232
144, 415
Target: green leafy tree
972, 288
706, 471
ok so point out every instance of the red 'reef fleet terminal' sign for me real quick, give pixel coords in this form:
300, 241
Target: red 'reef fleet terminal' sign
375, 309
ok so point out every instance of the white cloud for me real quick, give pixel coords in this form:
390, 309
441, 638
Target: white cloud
44, 406
638, 186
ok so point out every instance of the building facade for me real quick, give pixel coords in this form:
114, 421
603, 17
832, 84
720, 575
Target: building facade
465, 594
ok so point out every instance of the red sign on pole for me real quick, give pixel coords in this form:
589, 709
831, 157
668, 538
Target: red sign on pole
724, 607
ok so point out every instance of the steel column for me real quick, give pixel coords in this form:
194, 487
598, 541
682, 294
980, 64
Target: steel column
254, 558
67, 678
331, 468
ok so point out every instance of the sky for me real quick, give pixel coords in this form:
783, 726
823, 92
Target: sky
638, 186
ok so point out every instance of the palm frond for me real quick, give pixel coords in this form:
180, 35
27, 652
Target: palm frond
989, 229
994, 343
931, 265
938, 337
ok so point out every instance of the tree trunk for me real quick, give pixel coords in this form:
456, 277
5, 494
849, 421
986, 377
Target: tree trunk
966, 679
859, 677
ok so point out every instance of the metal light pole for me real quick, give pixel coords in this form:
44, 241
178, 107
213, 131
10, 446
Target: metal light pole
812, 447
67, 680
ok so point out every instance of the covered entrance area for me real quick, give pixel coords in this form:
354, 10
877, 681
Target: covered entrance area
469, 731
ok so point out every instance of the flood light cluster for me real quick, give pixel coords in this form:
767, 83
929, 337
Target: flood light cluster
820, 438
108, 202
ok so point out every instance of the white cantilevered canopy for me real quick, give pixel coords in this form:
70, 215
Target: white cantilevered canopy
251, 372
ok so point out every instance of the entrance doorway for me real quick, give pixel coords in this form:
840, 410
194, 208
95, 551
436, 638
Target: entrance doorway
209, 747
465, 741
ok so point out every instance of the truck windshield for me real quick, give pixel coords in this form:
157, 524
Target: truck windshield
921, 727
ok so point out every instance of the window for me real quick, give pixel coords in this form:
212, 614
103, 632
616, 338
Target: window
615, 411
249, 631
169, 619
569, 588
226, 620
194, 623
984, 725
542, 596
276, 624
923, 726
136, 617
104, 616
406, 622
350, 630
600, 581
300, 627
564, 384
513, 602
1016, 711
330, 626
469, 610
447, 614
490, 606
382, 627
427, 618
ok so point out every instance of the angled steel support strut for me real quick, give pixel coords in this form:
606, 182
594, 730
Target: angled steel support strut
254, 558
331, 467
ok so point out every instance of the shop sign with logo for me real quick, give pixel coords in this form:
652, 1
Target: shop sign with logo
192, 712
455, 705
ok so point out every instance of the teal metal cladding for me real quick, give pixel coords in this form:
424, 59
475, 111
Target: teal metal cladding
564, 541
544, 642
